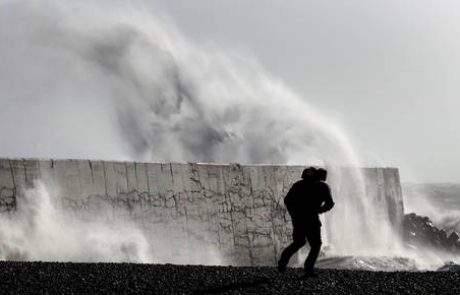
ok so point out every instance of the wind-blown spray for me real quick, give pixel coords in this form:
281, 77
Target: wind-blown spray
38, 230
107, 81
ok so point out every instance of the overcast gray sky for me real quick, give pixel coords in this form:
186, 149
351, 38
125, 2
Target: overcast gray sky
388, 71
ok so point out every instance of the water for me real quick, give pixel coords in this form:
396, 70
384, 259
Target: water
440, 202
107, 80
39, 230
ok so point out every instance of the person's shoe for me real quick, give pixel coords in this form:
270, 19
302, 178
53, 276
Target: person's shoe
281, 267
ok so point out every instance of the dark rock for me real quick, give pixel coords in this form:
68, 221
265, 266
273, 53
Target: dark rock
450, 267
420, 231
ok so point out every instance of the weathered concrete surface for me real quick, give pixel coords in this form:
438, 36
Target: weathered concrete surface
238, 209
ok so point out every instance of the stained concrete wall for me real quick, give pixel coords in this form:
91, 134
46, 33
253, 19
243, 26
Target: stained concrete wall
237, 209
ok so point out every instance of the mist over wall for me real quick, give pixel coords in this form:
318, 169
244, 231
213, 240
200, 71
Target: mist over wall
112, 82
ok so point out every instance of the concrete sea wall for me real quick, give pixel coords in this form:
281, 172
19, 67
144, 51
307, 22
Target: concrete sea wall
238, 209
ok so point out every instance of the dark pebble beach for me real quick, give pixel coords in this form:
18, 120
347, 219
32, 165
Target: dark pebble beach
129, 278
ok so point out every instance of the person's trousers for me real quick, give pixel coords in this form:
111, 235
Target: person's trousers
301, 233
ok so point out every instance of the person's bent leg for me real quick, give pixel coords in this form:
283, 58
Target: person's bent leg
314, 239
298, 236
289, 251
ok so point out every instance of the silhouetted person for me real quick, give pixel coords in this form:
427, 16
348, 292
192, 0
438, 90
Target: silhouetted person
306, 199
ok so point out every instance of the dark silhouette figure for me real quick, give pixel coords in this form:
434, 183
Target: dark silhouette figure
306, 199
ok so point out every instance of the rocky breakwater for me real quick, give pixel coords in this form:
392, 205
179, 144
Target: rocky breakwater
419, 231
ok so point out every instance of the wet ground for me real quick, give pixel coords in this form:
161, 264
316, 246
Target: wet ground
122, 278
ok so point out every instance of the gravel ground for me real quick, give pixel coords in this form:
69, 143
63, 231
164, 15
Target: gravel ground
110, 278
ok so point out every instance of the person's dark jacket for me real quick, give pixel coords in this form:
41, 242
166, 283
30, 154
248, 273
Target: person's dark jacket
307, 199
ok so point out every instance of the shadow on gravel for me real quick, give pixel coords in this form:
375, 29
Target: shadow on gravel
233, 286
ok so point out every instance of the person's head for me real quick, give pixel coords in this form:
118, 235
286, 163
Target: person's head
321, 174
309, 173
